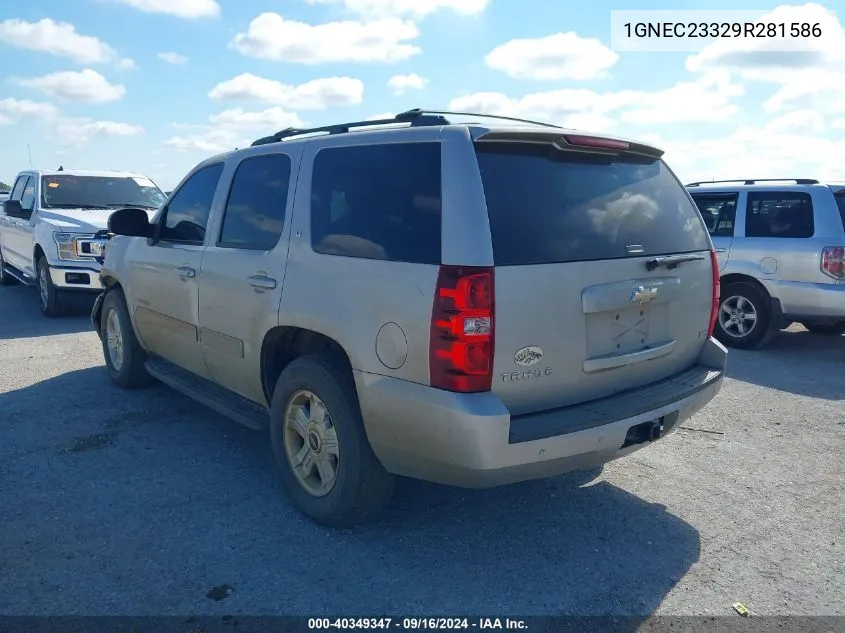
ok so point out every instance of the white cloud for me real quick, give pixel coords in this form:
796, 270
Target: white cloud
797, 121
126, 64
753, 150
273, 119
86, 86
56, 38
228, 129
316, 94
555, 57
802, 77
839, 124
172, 58
187, 9
401, 83
12, 110
381, 115
212, 141
706, 99
412, 8
270, 36
78, 131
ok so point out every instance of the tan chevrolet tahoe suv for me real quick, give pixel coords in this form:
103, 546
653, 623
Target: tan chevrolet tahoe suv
468, 303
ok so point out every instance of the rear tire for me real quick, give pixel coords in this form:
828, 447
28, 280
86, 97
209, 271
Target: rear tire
317, 433
831, 328
744, 317
122, 353
49, 297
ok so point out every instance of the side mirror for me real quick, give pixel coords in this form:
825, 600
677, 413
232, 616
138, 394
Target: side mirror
13, 209
130, 222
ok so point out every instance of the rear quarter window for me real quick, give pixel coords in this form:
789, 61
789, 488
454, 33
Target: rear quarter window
378, 202
547, 206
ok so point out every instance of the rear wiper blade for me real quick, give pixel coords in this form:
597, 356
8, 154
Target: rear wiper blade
671, 261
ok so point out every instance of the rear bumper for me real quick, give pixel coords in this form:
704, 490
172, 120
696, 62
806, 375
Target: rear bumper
68, 278
470, 440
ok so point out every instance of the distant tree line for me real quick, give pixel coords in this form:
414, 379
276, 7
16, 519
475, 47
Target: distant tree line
4, 186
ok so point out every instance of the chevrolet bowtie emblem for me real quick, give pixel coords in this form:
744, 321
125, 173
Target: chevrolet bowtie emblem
643, 295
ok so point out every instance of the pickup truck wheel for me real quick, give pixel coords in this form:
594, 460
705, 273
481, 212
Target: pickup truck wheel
831, 328
123, 354
744, 316
5, 278
317, 433
49, 298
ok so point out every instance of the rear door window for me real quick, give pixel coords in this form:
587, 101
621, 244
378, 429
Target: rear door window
255, 210
718, 211
547, 206
781, 214
378, 202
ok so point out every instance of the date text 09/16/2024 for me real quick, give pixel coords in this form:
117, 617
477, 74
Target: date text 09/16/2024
416, 624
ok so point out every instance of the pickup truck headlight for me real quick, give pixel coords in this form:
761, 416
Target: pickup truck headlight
79, 247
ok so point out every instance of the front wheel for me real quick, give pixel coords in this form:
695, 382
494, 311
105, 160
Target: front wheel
49, 298
327, 465
830, 328
123, 354
744, 316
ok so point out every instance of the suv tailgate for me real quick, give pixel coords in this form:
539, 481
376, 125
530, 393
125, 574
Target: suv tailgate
580, 312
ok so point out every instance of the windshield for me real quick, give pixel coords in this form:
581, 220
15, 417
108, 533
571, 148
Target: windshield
104, 192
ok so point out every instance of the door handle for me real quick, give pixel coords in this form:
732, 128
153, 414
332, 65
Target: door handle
263, 282
185, 272
721, 250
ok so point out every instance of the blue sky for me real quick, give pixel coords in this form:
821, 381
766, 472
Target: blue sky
157, 85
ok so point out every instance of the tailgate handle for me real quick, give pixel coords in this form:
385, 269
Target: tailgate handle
600, 363
721, 250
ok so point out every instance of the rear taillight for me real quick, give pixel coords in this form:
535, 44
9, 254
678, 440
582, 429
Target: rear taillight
833, 261
462, 329
714, 308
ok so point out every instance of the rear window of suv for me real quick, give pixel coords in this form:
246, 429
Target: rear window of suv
840, 202
547, 206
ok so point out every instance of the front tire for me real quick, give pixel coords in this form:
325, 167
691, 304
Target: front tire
744, 317
123, 354
317, 433
49, 298
831, 328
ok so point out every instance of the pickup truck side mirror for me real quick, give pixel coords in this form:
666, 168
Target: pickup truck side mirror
130, 222
13, 209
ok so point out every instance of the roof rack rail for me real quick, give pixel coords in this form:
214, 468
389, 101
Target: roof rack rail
420, 112
342, 128
418, 117
752, 181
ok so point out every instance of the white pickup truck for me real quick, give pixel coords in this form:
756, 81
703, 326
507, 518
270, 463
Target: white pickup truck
53, 228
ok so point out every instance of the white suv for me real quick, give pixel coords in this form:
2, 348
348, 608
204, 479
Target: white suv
53, 228
781, 250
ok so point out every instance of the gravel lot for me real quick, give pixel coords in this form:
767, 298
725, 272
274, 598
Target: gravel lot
143, 503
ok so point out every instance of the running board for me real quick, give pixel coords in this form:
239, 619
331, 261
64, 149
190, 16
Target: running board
222, 400
14, 272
